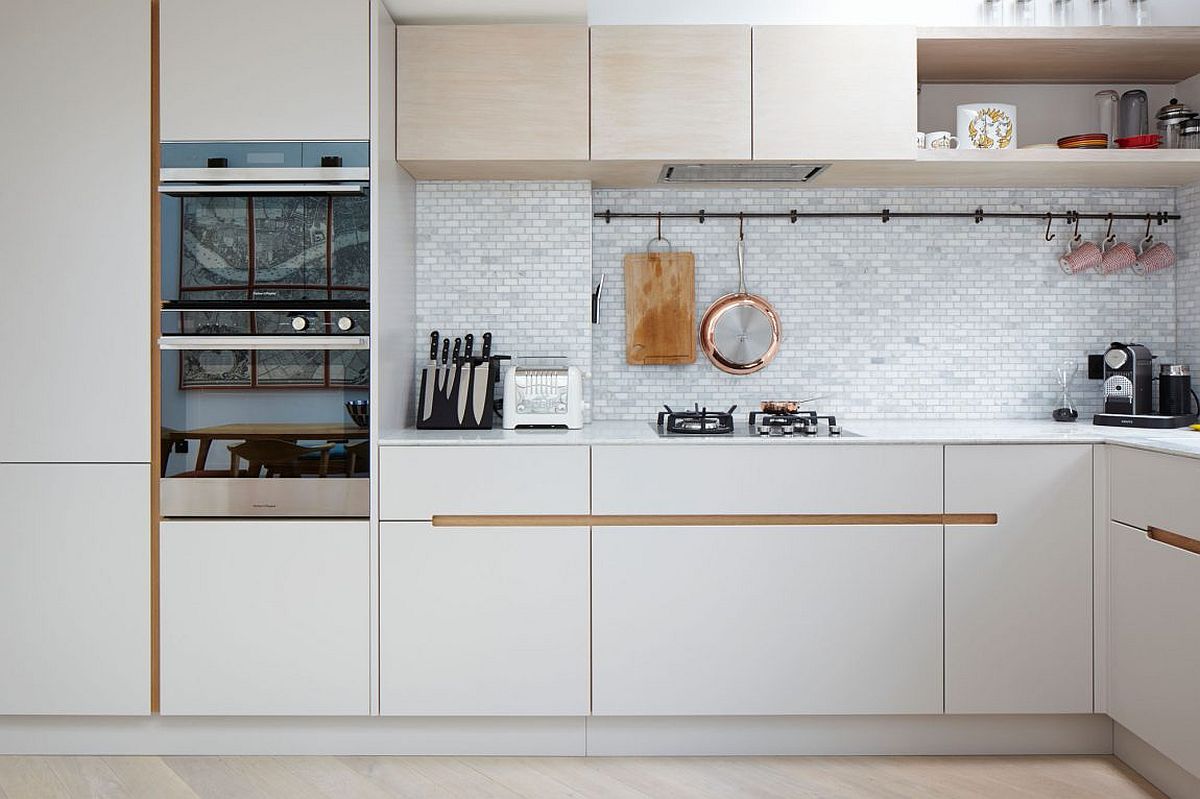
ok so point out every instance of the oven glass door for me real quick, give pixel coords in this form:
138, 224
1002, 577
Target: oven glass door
265, 355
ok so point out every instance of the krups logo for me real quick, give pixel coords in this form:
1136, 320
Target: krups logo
263, 505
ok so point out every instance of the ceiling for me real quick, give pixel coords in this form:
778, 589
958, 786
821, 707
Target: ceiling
450, 12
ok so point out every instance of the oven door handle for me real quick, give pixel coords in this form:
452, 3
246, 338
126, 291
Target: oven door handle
202, 189
264, 342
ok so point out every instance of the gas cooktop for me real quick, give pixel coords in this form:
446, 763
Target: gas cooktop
777, 420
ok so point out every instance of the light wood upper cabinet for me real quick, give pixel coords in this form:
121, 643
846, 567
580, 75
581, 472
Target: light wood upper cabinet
492, 92
668, 91
270, 69
834, 92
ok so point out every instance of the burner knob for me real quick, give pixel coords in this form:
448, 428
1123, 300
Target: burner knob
344, 323
810, 429
299, 323
835, 429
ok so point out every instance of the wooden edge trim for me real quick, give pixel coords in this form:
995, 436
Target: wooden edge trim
1173, 540
723, 520
155, 369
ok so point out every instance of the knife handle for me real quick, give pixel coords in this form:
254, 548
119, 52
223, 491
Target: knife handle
445, 351
468, 346
457, 349
433, 346
487, 345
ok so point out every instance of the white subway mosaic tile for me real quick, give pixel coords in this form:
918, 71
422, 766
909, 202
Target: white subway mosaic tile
1187, 278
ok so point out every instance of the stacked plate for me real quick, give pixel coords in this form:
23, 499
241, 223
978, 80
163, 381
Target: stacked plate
1084, 141
1148, 142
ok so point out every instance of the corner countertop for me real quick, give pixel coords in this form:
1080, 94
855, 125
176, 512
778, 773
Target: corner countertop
877, 431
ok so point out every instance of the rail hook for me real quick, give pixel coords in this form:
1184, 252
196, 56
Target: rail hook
978, 215
1049, 219
1075, 237
608, 216
659, 237
1110, 237
741, 226
793, 216
701, 216
885, 216
1148, 237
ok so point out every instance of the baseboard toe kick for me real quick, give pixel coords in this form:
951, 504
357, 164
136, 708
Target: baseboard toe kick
565, 736
1164, 773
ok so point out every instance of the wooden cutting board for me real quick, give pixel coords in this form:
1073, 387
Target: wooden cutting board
660, 308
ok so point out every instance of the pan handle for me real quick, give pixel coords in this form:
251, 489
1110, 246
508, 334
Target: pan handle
741, 267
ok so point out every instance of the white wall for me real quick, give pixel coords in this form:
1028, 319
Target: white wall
854, 12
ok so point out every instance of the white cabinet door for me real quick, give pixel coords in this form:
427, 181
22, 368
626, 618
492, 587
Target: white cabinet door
264, 70
492, 92
418, 483
1154, 643
1019, 593
75, 589
75, 253
483, 621
766, 620
265, 618
1150, 489
670, 91
830, 92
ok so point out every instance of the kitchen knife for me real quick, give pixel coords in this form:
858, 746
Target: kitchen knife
445, 364
468, 346
431, 376
454, 373
482, 387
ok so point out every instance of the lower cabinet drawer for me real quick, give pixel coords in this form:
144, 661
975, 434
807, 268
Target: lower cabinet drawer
766, 620
1150, 489
488, 621
1154, 643
265, 618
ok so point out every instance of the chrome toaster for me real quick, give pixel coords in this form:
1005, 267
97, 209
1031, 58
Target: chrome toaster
537, 395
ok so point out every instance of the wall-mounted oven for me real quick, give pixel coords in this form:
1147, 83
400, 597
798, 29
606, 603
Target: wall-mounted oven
265, 329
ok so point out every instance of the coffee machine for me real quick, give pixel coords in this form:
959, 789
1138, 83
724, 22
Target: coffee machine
1128, 374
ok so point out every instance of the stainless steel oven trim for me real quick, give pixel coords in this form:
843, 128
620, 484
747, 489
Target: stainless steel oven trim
311, 174
237, 497
234, 189
264, 342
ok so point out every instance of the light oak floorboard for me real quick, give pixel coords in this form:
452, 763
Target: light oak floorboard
1065, 777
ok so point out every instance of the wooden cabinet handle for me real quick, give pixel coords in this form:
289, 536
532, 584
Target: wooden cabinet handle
1173, 540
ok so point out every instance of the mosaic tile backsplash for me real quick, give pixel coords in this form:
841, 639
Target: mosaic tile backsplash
1187, 280
915, 319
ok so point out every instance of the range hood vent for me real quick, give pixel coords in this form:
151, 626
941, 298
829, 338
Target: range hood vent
740, 173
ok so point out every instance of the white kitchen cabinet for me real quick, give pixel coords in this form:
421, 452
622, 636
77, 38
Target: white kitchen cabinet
418, 483
492, 92
796, 477
1150, 489
1019, 593
670, 91
766, 620
264, 70
483, 621
75, 254
75, 589
1154, 643
835, 92
265, 618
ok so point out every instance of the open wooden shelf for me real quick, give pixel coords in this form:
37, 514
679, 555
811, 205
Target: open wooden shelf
1058, 55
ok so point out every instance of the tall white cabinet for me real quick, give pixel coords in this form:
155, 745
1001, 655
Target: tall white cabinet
75, 342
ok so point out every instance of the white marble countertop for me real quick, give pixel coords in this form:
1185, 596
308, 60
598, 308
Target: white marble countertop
879, 431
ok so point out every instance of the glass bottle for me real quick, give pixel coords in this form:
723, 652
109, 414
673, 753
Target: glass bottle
1063, 13
1141, 12
1101, 12
991, 12
1024, 13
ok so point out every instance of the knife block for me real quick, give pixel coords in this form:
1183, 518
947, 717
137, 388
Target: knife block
443, 388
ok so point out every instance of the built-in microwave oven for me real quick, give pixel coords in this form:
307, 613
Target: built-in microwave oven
265, 329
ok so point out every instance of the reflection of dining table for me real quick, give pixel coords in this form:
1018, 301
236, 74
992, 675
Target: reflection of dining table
254, 431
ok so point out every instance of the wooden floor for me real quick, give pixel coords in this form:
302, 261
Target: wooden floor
590, 778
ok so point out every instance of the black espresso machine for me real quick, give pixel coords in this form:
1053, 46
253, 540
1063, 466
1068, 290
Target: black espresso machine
1128, 374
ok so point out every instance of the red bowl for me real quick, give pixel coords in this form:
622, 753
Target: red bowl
1140, 142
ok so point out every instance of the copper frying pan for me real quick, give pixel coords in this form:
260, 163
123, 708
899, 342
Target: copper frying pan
740, 332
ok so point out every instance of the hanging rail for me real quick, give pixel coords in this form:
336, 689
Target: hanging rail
885, 215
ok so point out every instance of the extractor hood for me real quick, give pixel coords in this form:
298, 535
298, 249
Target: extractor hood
740, 173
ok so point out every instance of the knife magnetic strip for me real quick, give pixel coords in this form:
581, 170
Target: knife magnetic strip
719, 520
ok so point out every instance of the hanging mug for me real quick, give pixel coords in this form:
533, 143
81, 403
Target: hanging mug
1153, 258
1084, 256
1116, 256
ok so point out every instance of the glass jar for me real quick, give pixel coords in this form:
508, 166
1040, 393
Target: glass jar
1024, 13
1141, 12
991, 12
1101, 12
1063, 13
1189, 135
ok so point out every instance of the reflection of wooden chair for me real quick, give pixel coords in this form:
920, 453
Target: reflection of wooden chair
358, 458
279, 458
